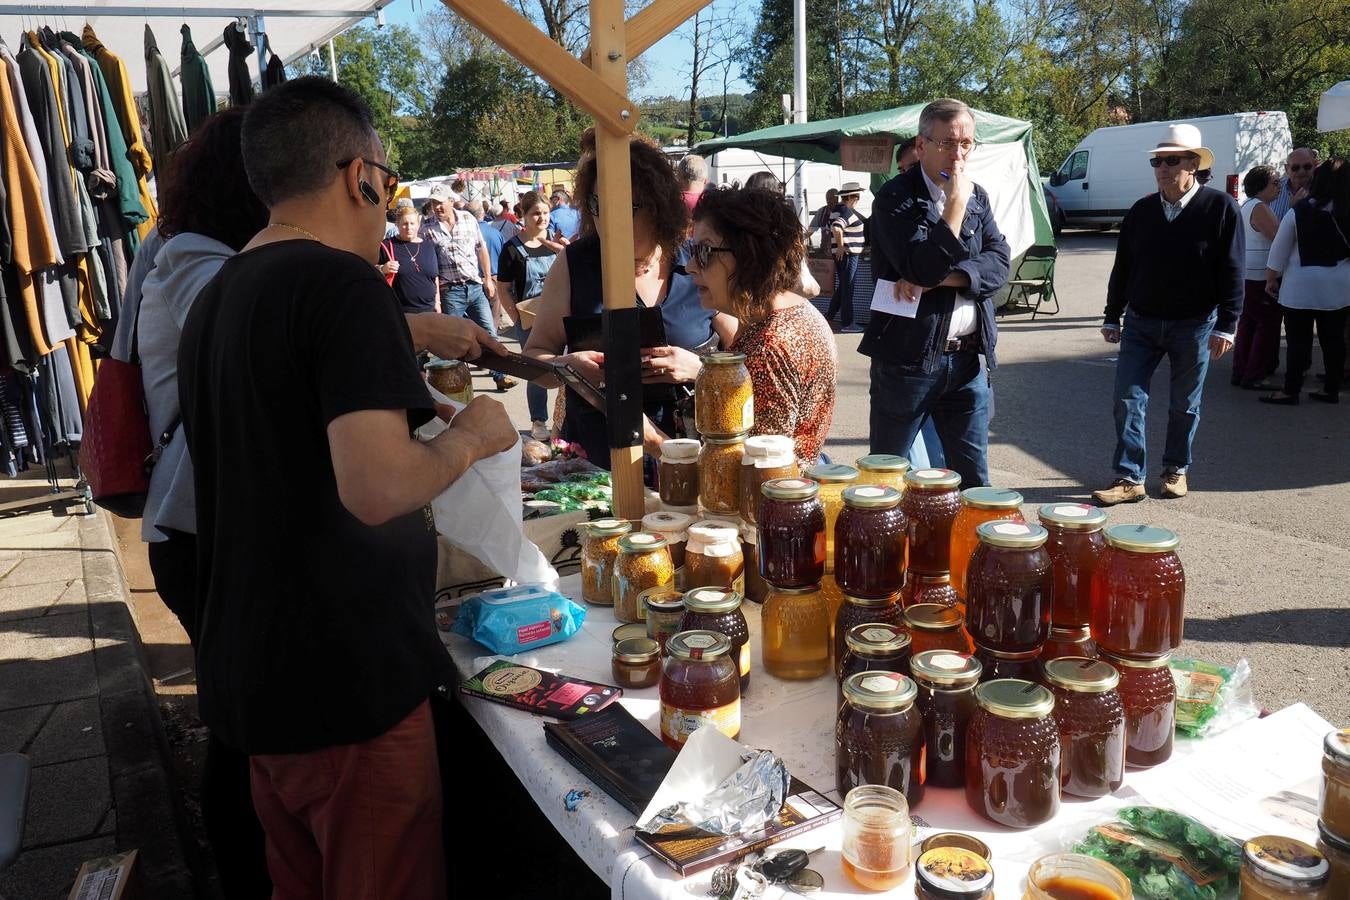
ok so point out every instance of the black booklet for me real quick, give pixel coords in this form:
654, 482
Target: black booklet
615, 751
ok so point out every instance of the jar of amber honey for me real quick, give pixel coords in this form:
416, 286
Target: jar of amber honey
833, 478
935, 627
857, 610
724, 399
1139, 592
713, 558
872, 647
1075, 544
1337, 851
869, 542
978, 505
714, 609
882, 468
1091, 721
878, 735
452, 378
932, 502
1009, 589
719, 474
699, 687
1077, 876
877, 835
599, 549
1069, 642
1013, 754
946, 682
664, 611
929, 589
756, 588
642, 566
791, 533
766, 457
678, 474
1149, 695
795, 626
1275, 867
1334, 802
636, 663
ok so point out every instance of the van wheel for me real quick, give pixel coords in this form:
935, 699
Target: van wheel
1057, 223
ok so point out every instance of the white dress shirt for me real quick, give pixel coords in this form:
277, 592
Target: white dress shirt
965, 319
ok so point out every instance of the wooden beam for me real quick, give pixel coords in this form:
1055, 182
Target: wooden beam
517, 35
653, 22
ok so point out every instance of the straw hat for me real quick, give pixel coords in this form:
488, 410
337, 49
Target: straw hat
848, 188
1184, 138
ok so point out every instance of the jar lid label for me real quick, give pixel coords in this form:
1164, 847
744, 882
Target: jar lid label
642, 539
881, 682
793, 484
1072, 510
1011, 528
700, 641
929, 473
870, 492
1285, 857
956, 870
879, 634
949, 662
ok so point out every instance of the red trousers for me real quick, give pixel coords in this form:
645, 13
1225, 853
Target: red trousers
1256, 348
357, 821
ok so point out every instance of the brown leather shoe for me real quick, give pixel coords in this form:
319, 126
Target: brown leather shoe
1174, 485
1122, 490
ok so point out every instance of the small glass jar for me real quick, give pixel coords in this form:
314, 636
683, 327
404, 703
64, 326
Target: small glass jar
952, 873
869, 542
636, 663
1013, 754
1076, 875
1075, 544
672, 526
946, 683
766, 457
857, 610
1091, 723
665, 609
1008, 590
599, 549
1334, 797
715, 609
1275, 867
628, 630
452, 378
932, 502
795, 626
978, 505
791, 533
997, 664
878, 735
936, 627
699, 687
882, 468
713, 558
1337, 851
642, 566
875, 851
678, 474
872, 647
1138, 592
1069, 642
719, 474
833, 478
1150, 698
959, 841
724, 399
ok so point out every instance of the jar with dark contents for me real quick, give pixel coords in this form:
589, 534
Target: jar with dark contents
699, 687
665, 609
857, 610
929, 589
935, 627
1013, 754
452, 378
1091, 720
872, 647
952, 873
882, 468
1149, 695
833, 478
946, 683
1075, 544
1026, 666
756, 588
678, 475
714, 609
869, 542
1069, 642
791, 533
878, 735
931, 504
713, 558
1139, 592
724, 399
795, 629
599, 549
636, 663
642, 566
978, 505
1009, 588
1334, 797
672, 526
766, 457
1275, 867
1337, 851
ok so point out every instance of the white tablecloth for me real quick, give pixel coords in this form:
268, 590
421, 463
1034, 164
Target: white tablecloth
793, 718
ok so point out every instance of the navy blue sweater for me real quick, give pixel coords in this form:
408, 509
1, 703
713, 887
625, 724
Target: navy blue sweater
1182, 269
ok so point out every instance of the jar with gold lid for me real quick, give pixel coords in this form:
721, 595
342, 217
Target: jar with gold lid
1013, 754
930, 589
713, 558
872, 647
677, 476
452, 378
978, 505
642, 566
664, 611
882, 468
1139, 592
857, 610
699, 687
1069, 642
878, 735
946, 682
1149, 694
766, 457
998, 664
719, 474
715, 609
869, 542
674, 527
931, 504
599, 549
795, 623
724, 399
1008, 590
1334, 803
1091, 723
791, 533
953, 873
1275, 867
636, 663
1337, 851
936, 627
833, 478
1075, 545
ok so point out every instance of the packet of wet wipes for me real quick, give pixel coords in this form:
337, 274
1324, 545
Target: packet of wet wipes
511, 619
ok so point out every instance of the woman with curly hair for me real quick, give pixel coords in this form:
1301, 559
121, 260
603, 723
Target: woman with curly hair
571, 301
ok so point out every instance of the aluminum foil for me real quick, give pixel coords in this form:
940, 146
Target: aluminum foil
745, 801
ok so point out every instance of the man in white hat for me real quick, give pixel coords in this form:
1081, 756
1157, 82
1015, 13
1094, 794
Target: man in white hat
847, 236
1178, 282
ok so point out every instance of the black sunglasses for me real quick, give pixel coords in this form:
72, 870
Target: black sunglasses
1157, 161
390, 176
702, 253
593, 205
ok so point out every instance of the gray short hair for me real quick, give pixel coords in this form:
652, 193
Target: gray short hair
692, 167
944, 110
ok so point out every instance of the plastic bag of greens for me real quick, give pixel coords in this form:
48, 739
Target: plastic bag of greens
1212, 698
1167, 855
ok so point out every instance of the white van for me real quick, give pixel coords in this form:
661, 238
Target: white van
1108, 171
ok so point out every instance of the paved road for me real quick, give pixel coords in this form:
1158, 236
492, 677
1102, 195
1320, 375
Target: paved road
1266, 527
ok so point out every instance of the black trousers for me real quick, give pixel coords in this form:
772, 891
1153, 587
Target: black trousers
1298, 331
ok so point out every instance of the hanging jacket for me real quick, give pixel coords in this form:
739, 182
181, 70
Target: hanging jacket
199, 94
129, 205
100, 179
42, 102
167, 128
119, 85
241, 85
276, 72
36, 157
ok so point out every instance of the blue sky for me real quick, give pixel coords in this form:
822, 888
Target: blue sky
667, 62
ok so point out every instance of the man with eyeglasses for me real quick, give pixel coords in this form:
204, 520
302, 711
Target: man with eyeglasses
939, 258
1298, 172
1178, 284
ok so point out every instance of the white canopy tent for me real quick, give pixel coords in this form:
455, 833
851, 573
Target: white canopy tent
1333, 112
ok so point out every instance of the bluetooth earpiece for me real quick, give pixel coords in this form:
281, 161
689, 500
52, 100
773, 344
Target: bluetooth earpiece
368, 192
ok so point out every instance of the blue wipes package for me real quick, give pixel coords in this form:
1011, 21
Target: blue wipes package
509, 620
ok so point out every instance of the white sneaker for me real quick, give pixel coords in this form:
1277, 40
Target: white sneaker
539, 431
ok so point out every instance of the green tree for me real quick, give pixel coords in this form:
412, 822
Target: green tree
768, 62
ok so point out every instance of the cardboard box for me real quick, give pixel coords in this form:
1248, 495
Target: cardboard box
105, 878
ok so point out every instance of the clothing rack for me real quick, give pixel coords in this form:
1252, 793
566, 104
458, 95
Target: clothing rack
80, 493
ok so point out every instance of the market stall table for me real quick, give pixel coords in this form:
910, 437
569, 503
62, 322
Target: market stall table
796, 720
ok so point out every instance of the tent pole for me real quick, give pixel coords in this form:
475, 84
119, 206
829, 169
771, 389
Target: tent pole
799, 95
332, 61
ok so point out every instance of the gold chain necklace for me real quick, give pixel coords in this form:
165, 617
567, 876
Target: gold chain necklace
309, 234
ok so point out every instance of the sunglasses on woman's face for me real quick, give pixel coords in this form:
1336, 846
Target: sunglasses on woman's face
1172, 161
702, 253
593, 205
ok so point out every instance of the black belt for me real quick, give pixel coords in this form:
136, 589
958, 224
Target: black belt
963, 344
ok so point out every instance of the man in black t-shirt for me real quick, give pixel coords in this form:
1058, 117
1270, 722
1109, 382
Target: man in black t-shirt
299, 386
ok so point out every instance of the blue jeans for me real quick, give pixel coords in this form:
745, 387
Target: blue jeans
956, 397
536, 397
468, 301
842, 300
1143, 344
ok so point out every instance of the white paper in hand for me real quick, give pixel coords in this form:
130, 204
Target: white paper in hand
884, 300
480, 513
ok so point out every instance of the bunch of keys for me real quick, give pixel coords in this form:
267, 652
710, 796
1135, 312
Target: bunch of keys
785, 869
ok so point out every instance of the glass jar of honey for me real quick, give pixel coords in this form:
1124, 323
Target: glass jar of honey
953, 873
1026, 666
833, 478
791, 533
1334, 802
932, 502
766, 457
1149, 695
672, 526
978, 505
1076, 876
724, 400
756, 588
929, 589
642, 566
877, 833
946, 683
834, 597
1091, 723
857, 610
1069, 642
869, 542
719, 474
714, 609
713, 558
599, 549
1013, 754
1075, 544
636, 663
699, 687
1138, 592
678, 475
795, 626
1337, 851
1008, 592
935, 627
878, 735
664, 611
1275, 867
452, 378
872, 647
882, 468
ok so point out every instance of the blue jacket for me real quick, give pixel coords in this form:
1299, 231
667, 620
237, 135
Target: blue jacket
911, 242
